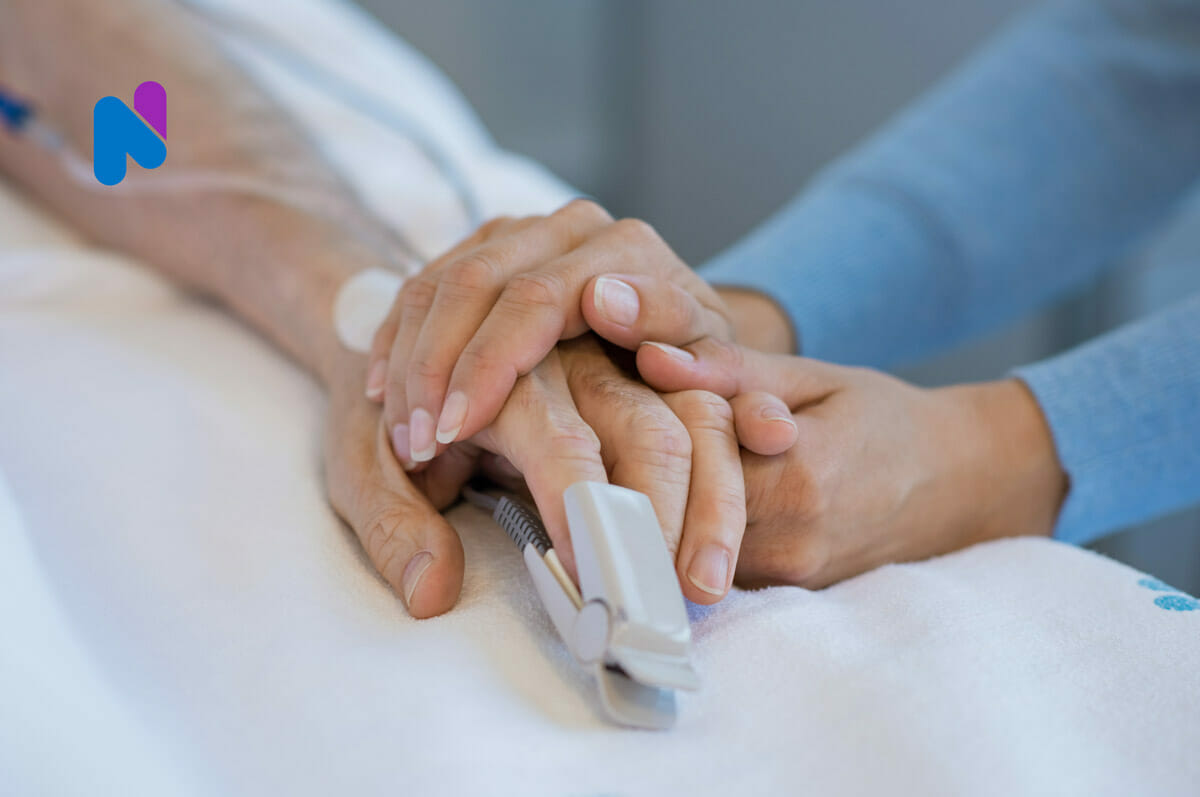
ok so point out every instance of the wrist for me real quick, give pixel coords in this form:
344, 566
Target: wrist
288, 289
759, 322
1019, 484
344, 378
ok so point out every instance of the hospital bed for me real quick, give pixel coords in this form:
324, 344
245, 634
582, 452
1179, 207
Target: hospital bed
184, 614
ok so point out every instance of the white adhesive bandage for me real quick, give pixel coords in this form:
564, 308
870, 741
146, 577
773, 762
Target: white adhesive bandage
362, 303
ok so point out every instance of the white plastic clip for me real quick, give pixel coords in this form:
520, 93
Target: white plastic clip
633, 626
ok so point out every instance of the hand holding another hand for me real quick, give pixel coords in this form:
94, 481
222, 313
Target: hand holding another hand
882, 471
473, 321
576, 416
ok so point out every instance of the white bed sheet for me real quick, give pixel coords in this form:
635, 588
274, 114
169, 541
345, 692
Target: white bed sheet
183, 614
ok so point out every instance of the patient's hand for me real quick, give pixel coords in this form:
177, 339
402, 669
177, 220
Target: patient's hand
409, 542
882, 471
575, 416
463, 331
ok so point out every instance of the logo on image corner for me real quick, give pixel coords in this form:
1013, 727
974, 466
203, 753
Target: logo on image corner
139, 132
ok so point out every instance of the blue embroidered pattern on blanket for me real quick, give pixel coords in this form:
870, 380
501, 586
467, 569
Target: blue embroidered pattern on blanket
1178, 602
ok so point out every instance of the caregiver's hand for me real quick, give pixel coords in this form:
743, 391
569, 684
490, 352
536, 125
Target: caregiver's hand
462, 332
882, 471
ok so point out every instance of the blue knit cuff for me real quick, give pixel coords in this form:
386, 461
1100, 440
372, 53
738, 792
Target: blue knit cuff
1124, 410
842, 259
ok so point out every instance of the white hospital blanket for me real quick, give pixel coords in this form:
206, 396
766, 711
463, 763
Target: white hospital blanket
183, 614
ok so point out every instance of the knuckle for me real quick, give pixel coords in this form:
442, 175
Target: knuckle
417, 294
490, 226
661, 440
382, 539
683, 309
571, 439
729, 362
535, 290
474, 272
724, 500
607, 388
480, 367
526, 397
585, 209
474, 360
735, 355
701, 410
423, 368
637, 231
654, 434
397, 379
564, 434
731, 500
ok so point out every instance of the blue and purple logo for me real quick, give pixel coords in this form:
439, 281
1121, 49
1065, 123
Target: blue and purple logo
139, 132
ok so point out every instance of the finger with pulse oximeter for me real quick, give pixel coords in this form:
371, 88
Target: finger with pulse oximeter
626, 620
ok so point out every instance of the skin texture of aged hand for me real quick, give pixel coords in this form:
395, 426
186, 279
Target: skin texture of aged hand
463, 330
279, 268
577, 415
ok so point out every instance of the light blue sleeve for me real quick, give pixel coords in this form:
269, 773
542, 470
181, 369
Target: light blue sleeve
1124, 410
1040, 162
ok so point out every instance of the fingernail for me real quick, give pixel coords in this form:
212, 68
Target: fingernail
617, 301
413, 571
421, 435
679, 354
770, 412
709, 570
375, 379
400, 446
454, 413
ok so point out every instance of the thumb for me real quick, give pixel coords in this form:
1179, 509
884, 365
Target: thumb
763, 423
730, 370
627, 309
410, 544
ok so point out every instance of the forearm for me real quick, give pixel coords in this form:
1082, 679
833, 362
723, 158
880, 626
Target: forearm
275, 265
1040, 162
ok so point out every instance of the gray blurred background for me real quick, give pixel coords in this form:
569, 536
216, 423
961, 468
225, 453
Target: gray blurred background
703, 116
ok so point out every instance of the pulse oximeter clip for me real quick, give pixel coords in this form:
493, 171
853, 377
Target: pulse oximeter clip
627, 620
629, 624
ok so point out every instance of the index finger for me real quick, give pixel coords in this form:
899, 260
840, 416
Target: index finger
385, 335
